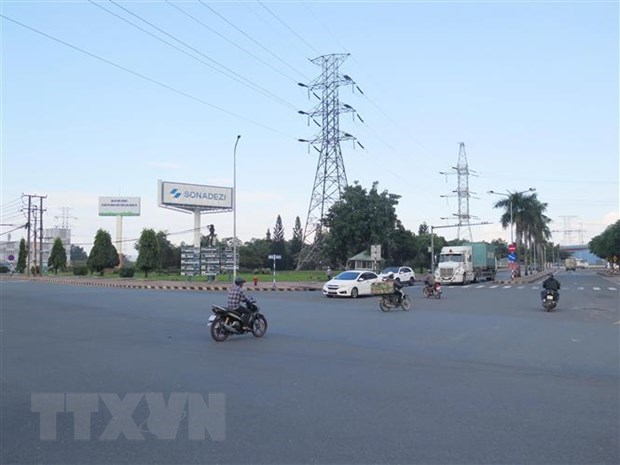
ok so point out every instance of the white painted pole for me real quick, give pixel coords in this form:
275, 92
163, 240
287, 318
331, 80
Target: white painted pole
197, 228
119, 239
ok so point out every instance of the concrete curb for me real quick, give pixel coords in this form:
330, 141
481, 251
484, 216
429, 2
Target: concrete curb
171, 286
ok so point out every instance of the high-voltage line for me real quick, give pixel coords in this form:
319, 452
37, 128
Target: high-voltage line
330, 179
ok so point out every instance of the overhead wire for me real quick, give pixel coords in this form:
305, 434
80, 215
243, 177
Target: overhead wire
144, 77
289, 28
236, 76
284, 62
233, 43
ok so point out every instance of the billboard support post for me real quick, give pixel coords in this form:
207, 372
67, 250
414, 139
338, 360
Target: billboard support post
119, 207
197, 228
119, 239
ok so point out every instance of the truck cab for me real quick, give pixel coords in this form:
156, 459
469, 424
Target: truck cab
455, 265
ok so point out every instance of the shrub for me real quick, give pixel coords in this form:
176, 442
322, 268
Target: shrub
4, 269
127, 272
80, 270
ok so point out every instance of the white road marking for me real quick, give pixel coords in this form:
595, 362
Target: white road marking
478, 287
506, 287
493, 287
612, 288
596, 288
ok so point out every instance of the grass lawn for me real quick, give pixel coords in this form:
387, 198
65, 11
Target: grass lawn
281, 276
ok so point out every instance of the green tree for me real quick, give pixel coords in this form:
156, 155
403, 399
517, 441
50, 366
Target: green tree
169, 254
21, 257
296, 243
77, 254
148, 251
58, 256
501, 248
268, 235
103, 254
423, 229
358, 220
279, 245
607, 244
531, 224
253, 255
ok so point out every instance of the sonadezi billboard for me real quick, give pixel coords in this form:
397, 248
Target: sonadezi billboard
119, 206
181, 195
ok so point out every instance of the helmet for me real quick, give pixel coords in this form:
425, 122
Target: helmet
239, 280
429, 271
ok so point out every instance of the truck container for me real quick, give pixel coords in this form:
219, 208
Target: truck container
470, 262
570, 264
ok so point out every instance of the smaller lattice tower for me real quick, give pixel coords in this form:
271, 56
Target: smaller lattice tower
464, 194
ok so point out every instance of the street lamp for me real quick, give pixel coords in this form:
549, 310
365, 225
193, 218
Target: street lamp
510, 197
235, 208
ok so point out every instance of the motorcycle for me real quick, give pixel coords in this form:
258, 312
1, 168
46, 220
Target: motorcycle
549, 300
432, 291
389, 301
225, 322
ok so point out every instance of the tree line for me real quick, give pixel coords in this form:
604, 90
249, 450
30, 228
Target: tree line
361, 218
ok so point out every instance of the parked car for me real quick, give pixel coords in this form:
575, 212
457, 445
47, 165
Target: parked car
350, 283
404, 274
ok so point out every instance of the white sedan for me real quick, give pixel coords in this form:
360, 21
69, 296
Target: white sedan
351, 283
404, 274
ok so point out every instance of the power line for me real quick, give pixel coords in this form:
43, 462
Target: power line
233, 43
289, 28
251, 38
236, 76
144, 77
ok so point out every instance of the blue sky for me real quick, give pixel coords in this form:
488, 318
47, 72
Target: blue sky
531, 88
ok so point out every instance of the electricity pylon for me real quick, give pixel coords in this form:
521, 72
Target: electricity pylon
463, 193
330, 179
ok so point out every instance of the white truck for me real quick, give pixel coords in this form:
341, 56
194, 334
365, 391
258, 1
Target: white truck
470, 262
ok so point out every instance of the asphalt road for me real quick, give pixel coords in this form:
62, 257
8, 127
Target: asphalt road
482, 376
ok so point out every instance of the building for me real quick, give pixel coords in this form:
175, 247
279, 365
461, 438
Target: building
10, 249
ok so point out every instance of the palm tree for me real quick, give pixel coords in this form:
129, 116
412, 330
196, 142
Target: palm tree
530, 222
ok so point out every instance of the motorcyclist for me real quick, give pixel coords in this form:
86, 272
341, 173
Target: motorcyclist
397, 286
551, 284
236, 295
429, 281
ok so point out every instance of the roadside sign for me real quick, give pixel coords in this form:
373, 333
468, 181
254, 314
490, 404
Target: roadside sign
512, 247
11, 258
274, 257
512, 257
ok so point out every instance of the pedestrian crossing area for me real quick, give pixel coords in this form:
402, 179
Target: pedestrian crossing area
532, 287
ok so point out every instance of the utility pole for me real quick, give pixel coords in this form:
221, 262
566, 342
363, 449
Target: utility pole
330, 179
28, 226
32, 215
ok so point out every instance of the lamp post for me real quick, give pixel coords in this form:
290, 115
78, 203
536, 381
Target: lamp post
235, 208
510, 197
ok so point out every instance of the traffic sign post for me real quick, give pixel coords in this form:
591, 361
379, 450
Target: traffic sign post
274, 258
512, 247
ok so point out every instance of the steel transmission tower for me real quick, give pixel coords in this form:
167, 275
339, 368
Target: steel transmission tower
330, 179
463, 193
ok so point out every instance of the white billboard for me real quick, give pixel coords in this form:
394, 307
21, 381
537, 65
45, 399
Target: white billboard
192, 196
119, 206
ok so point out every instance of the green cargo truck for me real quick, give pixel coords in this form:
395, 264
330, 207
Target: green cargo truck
470, 262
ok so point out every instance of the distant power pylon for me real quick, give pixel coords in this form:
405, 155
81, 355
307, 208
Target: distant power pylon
64, 217
330, 179
568, 230
463, 193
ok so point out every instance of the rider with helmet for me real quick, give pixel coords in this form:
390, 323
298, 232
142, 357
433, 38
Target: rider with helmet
397, 286
236, 295
429, 281
551, 284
